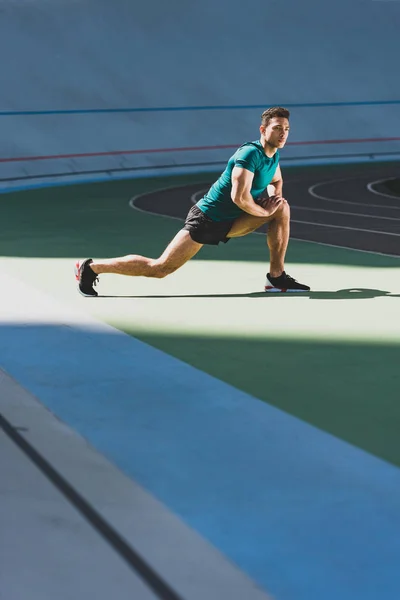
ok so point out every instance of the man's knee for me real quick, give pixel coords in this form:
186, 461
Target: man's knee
283, 212
284, 209
160, 270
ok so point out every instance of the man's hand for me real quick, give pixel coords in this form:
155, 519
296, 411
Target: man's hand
270, 203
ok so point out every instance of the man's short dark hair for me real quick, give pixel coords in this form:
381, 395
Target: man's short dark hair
274, 111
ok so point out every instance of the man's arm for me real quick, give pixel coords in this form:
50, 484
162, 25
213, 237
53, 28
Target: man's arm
275, 188
240, 194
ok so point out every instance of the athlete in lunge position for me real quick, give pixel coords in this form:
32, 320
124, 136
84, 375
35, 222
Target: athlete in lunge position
246, 195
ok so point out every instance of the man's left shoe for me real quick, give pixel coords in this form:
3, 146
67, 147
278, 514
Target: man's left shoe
86, 278
284, 283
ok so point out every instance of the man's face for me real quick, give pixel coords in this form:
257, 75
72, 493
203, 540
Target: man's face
276, 132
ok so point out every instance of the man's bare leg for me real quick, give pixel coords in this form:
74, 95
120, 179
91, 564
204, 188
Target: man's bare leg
277, 240
277, 236
181, 249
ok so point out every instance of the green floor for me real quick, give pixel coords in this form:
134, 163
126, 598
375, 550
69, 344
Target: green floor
331, 358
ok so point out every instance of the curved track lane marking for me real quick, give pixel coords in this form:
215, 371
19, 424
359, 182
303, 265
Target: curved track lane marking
349, 229
311, 191
339, 212
132, 204
370, 188
193, 200
193, 197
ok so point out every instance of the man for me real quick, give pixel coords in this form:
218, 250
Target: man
247, 195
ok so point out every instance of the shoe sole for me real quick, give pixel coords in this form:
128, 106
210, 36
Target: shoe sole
87, 295
77, 271
269, 288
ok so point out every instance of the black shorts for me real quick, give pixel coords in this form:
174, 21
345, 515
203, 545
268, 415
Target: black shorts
204, 230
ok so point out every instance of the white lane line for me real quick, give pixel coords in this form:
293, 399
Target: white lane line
193, 199
158, 214
344, 247
132, 203
370, 188
348, 228
193, 196
312, 192
350, 214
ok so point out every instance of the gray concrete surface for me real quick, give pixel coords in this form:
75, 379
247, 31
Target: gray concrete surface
49, 543
47, 549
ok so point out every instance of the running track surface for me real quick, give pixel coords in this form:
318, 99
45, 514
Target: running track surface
329, 205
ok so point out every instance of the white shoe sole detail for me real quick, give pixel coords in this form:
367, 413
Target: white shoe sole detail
87, 295
269, 288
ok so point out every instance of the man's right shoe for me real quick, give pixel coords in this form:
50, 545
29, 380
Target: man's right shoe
85, 277
284, 283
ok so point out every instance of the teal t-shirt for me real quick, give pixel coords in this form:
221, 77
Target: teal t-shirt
217, 203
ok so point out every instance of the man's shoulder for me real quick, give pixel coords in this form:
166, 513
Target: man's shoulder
250, 147
248, 151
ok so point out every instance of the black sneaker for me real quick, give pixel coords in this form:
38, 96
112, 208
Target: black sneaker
284, 283
85, 277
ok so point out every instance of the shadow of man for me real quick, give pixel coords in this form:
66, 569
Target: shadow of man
345, 294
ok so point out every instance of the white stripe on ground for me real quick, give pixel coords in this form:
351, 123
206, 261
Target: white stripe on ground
349, 214
370, 188
348, 228
132, 204
194, 196
193, 199
312, 192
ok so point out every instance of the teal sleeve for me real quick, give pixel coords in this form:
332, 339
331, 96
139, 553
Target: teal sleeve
247, 158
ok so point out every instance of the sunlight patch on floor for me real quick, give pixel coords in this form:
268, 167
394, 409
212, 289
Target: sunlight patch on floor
222, 298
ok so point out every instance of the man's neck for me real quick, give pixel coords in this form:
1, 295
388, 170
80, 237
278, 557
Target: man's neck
269, 150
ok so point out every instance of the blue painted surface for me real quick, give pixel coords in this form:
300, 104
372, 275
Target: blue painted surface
306, 515
86, 111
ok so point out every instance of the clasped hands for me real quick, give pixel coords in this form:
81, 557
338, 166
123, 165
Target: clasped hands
270, 203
